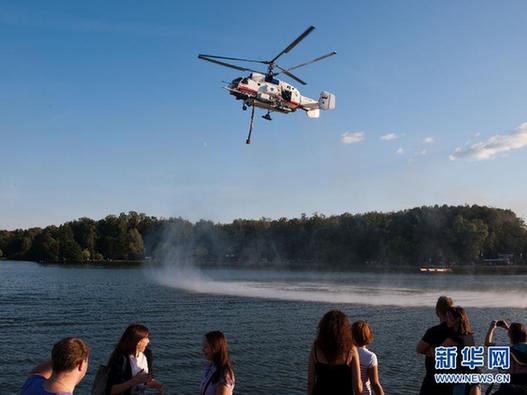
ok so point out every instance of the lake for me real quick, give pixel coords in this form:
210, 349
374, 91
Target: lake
269, 318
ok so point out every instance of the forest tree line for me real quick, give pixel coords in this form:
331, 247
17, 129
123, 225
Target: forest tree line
445, 235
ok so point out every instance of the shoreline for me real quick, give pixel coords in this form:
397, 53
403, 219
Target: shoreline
369, 268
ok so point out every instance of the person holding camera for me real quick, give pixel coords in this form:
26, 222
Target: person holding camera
517, 334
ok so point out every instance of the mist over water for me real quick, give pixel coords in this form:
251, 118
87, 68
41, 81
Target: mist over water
175, 268
410, 290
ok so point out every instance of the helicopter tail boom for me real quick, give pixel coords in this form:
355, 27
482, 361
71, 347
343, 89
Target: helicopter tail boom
326, 101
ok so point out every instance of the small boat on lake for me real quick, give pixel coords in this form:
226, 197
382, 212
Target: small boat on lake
435, 269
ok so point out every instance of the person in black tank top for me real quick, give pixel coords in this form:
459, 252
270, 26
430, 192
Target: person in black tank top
333, 362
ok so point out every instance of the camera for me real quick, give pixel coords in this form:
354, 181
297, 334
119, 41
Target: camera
501, 323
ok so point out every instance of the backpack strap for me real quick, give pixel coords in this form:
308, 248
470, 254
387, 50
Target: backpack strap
149, 360
124, 366
207, 385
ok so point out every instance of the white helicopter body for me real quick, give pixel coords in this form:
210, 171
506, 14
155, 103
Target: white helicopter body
276, 95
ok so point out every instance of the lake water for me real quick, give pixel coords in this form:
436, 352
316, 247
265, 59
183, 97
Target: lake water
269, 318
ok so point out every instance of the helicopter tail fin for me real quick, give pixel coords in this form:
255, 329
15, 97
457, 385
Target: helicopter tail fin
327, 101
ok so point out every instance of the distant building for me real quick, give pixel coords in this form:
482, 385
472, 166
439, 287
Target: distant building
501, 260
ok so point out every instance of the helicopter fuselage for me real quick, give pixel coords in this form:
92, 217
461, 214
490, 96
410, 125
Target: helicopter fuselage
268, 93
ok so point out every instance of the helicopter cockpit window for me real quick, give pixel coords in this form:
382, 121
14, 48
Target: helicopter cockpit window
245, 81
235, 81
271, 80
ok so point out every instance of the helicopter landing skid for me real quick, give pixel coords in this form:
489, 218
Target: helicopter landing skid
267, 116
248, 141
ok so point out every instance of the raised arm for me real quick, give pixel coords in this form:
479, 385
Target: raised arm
44, 369
490, 333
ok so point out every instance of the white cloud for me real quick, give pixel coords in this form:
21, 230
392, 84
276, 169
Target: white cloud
429, 140
399, 151
389, 136
495, 145
352, 137
423, 152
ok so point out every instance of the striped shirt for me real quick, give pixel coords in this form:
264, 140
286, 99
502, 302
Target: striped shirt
367, 359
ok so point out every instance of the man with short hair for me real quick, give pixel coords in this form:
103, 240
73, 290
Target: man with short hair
68, 366
434, 337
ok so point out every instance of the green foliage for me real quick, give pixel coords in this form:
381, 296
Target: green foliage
135, 246
439, 235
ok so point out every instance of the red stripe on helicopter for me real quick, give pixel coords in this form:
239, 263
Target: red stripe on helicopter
249, 90
293, 104
243, 89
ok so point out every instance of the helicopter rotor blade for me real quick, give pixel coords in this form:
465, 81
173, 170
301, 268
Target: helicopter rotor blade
232, 66
291, 75
229, 58
311, 61
294, 43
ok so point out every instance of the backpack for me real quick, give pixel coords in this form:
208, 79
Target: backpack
101, 378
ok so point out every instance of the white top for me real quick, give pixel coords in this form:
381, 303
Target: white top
138, 365
367, 359
209, 388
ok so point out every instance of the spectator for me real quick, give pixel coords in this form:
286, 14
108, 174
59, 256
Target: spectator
218, 378
432, 338
334, 362
60, 376
369, 366
131, 364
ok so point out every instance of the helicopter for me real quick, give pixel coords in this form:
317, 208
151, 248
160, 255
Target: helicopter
262, 90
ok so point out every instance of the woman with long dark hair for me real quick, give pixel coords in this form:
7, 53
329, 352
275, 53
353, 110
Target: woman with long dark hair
334, 362
219, 375
130, 365
461, 336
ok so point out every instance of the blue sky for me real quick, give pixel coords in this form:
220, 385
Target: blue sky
104, 108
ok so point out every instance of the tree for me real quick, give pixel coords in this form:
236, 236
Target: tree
45, 247
468, 238
135, 245
439, 234
85, 234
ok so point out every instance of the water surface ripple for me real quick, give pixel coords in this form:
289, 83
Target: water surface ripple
269, 318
